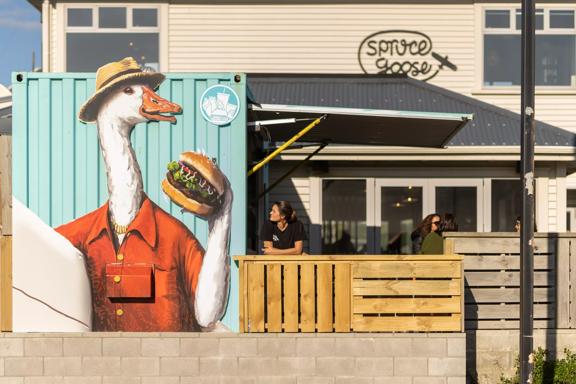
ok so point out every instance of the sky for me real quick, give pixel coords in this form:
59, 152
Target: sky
20, 35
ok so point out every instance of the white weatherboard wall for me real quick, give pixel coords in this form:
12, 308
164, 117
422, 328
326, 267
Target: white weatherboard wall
324, 37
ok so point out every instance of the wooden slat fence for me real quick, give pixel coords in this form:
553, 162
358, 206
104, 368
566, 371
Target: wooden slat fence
492, 279
6, 233
350, 293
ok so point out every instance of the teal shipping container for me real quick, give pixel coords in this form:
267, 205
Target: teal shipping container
58, 169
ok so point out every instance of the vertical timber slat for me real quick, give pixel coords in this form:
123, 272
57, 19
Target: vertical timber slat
342, 293
243, 292
255, 297
307, 299
6, 284
291, 297
562, 261
274, 297
572, 268
324, 289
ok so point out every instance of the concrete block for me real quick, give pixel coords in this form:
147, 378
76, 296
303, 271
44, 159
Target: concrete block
179, 366
23, 366
199, 347
43, 380
447, 366
252, 366
101, 366
63, 366
43, 347
335, 366
238, 380
456, 380
435, 347
308, 346
121, 380
297, 366
393, 347
160, 380
200, 380
353, 380
314, 380
429, 380
344, 347
83, 380
410, 366
374, 366
218, 366
497, 340
11, 380
393, 380
82, 346
140, 366
276, 380
456, 347
121, 346
160, 347
276, 347
11, 347
1, 366
238, 347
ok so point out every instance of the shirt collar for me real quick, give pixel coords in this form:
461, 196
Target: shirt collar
144, 223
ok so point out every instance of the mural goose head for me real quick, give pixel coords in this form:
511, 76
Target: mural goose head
124, 97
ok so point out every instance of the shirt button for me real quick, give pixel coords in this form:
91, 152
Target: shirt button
119, 312
116, 279
120, 257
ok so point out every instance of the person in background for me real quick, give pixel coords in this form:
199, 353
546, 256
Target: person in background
433, 242
448, 223
283, 234
422, 230
517, 224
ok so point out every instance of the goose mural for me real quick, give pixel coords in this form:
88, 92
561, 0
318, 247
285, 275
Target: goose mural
147, 271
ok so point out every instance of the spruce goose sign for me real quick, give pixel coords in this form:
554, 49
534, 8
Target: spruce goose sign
401, 52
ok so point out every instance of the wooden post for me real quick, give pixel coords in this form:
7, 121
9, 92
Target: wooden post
6, 233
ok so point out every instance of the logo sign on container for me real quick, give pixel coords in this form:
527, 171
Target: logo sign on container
399, 52
219, 104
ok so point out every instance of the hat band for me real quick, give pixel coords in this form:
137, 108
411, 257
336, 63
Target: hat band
119, 74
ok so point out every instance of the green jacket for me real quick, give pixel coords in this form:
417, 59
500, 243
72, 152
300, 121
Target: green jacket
433, 244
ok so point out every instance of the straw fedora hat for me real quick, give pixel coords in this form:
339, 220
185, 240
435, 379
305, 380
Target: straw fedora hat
112, 76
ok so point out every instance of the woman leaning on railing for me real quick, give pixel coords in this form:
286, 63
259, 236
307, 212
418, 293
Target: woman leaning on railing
283, 233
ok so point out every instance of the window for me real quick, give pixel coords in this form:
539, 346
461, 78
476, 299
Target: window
343, 217
555, 47
98, 35
461, 202
506, 204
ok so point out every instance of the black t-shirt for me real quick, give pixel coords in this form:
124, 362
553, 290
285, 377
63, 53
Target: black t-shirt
283, 239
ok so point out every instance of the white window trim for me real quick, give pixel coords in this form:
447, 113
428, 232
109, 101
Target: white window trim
481, 88
161, 28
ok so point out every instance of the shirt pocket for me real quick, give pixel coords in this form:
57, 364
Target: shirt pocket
165, 280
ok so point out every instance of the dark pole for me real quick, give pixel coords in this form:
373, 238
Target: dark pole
527, 181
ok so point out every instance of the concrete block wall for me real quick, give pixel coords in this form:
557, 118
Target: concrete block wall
492, 353
222, 358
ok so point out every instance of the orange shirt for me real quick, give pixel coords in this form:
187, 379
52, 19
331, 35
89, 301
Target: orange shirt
154, 239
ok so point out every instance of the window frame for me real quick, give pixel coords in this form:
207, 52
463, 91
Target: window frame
159, 28
511, 30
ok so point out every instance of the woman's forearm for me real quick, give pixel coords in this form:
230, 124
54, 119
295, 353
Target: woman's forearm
287, 251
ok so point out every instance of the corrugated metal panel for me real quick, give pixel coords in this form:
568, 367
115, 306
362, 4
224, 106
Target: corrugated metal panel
59, 171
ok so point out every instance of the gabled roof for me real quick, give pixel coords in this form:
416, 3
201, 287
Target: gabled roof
492, 125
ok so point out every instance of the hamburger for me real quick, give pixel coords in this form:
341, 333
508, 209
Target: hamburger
195, 184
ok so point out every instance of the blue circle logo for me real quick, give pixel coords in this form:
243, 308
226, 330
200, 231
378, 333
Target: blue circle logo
219, 104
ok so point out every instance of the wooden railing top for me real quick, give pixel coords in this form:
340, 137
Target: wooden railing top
508, 234
348, 258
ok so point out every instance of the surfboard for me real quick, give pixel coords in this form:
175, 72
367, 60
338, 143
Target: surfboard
51, 289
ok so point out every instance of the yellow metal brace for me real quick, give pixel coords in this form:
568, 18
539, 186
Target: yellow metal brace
286, 145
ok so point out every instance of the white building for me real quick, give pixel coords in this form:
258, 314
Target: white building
467, 53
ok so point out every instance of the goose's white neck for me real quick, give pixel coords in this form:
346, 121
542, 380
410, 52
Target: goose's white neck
125, 187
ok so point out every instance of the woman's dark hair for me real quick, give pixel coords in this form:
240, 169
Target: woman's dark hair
449, 223
286, 210
425, 227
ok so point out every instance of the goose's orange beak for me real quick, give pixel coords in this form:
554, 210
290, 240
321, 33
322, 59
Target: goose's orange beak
153, 106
